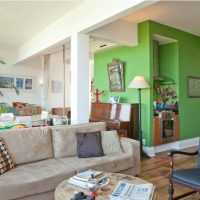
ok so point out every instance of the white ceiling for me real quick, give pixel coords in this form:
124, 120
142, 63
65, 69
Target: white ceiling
184, 15
95, 45
21, 20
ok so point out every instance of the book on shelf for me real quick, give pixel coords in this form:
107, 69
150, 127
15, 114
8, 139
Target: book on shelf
128, 191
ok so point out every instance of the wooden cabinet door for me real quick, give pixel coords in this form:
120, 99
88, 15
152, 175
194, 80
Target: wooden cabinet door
176, 134
157, 129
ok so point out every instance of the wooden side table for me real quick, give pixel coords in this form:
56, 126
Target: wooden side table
66, 191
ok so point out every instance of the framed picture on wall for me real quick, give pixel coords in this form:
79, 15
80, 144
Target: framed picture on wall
22, 83
116, 76
29, 84
6, 80
193, 87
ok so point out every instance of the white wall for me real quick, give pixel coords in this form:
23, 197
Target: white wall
30, 68
56, 74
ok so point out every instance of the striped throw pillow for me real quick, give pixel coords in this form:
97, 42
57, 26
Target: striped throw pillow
6, 162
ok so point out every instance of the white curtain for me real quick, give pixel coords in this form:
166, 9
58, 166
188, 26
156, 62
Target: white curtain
46, 80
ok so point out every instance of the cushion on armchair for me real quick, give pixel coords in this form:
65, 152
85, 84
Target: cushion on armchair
19, 104
188, 176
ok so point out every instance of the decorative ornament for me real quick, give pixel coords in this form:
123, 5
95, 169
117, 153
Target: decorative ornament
97, 94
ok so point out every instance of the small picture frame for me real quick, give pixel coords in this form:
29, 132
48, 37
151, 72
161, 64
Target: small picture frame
20, 83
193, 87
114, 99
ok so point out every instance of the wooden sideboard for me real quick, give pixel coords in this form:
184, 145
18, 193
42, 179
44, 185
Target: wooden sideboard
122, 117
158, 132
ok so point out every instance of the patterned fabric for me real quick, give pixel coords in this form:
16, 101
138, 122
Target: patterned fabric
19, 104
6, 162
24, 111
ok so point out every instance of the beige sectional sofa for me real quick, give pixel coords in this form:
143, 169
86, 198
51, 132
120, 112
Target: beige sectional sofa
46, 156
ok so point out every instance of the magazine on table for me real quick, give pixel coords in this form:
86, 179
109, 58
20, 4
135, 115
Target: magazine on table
130, 191
82, 179
82, 184
87, 175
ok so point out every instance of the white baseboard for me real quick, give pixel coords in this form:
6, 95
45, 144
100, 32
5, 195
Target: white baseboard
149, 151
182, 144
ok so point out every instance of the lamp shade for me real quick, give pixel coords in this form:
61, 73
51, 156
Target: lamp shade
138, 82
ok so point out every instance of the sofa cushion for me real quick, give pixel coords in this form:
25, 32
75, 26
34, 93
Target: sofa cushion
64, 138
111, 142
89, 144
6, 162
33, 178
108, 163
29, 144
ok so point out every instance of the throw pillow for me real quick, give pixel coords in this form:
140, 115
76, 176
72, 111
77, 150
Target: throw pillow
6, 162
89, 144
111, 142
56, 120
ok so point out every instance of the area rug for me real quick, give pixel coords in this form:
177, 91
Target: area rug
193, 197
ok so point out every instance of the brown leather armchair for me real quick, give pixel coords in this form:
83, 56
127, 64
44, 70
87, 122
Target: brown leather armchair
59, 111
189, 178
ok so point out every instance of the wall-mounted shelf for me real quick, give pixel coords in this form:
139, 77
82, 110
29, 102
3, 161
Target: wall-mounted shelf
163, 80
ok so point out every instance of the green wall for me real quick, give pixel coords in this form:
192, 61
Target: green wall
188, 64
168, 64
136, 62
185, 58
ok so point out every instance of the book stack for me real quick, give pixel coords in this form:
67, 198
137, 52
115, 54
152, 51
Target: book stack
90, 176
127, 191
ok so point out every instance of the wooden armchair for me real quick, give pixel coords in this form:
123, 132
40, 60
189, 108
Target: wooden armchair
59, 111
189, 178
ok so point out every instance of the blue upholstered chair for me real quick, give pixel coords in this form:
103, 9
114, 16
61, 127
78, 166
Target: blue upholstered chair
186, 177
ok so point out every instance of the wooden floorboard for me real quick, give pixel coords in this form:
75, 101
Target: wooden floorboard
156, 171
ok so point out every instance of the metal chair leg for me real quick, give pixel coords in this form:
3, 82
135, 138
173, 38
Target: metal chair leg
170, 191
171, 187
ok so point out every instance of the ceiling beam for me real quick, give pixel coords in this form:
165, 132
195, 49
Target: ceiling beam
120, 32
84, 18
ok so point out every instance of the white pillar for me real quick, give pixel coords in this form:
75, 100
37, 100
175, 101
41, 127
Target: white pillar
79, 78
